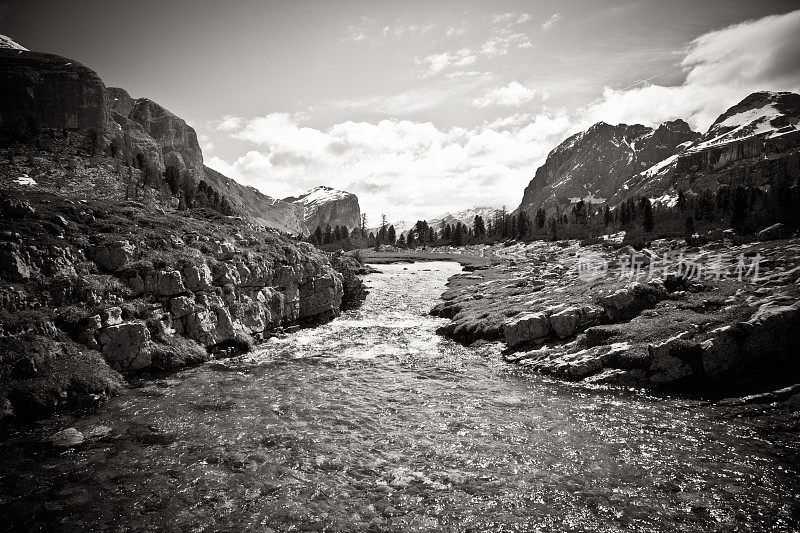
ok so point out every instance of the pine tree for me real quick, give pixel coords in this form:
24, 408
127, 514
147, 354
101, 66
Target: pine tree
328, 238
689, 228
540, 218
318, 235
739, 209
391, 234
647, 214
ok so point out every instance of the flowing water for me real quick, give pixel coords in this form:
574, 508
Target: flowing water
374, 423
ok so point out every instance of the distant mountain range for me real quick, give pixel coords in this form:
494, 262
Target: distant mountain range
752, 143
466, 217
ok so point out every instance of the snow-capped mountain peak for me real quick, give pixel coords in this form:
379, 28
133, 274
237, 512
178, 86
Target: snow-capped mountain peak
320, 194
764, 113
10, 44
324, 206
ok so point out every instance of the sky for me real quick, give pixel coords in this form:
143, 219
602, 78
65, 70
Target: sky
420, 108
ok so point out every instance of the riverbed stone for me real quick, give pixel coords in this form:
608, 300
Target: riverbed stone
526, 327
67, 438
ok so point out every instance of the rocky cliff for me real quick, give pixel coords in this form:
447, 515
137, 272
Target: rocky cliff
592, 165
754, 143
121, 254
44, 93
91, 291
323, 206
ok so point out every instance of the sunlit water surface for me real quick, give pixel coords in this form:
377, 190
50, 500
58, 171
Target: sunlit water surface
375, 423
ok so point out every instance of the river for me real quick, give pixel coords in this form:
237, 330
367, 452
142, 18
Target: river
374, 423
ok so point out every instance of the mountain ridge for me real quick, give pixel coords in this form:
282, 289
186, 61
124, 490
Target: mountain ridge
47, 92
752, 142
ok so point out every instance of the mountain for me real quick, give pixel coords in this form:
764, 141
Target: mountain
324, 206
48, 93
7, 42
754, 143
466, 217
592, 165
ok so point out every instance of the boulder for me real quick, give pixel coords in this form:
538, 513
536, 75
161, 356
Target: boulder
13, 265
674, 360
526, 327
67, 438
111, 316
773, 332
629, 301
126, 346
722, 351
320, 297
776, 231
565, 323
197, 277
113, 255
165, 283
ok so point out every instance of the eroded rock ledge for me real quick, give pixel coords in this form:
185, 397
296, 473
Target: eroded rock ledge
674, 331
94, 291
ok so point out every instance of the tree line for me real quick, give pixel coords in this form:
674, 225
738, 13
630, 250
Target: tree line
744, 209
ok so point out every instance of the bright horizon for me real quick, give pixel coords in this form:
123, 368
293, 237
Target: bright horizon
418, 109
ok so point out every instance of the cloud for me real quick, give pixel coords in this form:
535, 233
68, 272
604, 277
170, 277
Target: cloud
403, 168
455, 32
503, 18
205, 143
502, 40
514, 94
510, 19
721, 68
549, 23
438, 62
456, 85
227, 123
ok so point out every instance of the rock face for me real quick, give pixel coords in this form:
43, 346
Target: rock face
79, 305
592, 165
667, 331
43, 91
323, 206
48, 93
754, 143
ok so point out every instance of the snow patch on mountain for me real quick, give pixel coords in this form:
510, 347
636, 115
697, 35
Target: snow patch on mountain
320, 195
10, 44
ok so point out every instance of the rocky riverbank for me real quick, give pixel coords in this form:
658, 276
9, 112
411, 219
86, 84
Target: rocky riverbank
94, 291
681, 321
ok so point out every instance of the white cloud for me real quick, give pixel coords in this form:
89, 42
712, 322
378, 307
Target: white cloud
503, 18
205, 143
502, 40
455, 32
457, 85
549, 23
438, 62
510, 19
722, 67
402, 168
227, 123
513, 94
